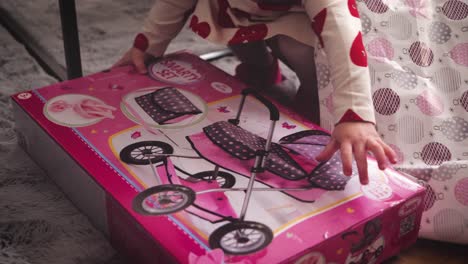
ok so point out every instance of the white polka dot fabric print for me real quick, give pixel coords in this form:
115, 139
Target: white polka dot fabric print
418, 61
166, 104
330, 175
243, 145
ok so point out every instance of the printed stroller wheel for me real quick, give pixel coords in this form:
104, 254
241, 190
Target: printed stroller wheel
163, 199
141, 153
239, 238
371, 230
366, 254
378, 252
224, 179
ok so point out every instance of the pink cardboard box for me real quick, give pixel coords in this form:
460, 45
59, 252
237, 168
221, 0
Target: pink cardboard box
138, 155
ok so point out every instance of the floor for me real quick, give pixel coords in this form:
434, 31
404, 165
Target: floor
428, 251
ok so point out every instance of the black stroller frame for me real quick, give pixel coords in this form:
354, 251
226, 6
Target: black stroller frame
238, 237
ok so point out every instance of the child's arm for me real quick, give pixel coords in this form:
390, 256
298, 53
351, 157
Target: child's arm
338, 26
164, 21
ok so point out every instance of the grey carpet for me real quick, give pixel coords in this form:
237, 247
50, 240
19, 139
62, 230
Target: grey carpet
106, 29
37, 222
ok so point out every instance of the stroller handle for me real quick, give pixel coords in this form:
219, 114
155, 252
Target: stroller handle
274, 113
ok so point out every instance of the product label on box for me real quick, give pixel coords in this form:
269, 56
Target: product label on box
410, 206
175, 72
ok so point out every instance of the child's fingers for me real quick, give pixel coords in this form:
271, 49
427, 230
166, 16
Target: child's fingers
122, 62
328, 151
359, 151
138, 59
347, 158
378, 152
389, 152
125, 60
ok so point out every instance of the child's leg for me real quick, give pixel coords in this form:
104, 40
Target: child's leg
253, 53
258, 67
300, 58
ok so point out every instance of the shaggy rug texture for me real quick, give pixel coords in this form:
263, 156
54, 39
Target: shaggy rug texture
38, 224
107, 29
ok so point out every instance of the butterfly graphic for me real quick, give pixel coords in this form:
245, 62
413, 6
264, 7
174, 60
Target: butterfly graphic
223, 109
288, 126
114, 86
136, 135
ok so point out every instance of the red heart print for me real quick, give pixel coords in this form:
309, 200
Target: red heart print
224, 19
353, 8
358, 52
250, 33
318, 24
350, 116
201, 28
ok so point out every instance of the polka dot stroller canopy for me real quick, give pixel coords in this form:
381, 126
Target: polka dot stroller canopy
292, 159
167, 105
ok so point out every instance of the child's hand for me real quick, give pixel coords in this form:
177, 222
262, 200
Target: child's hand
134, 57
357, 138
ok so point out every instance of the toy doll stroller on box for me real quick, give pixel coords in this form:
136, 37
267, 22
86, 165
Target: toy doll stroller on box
288, 167
368, 246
